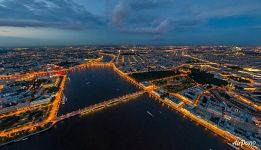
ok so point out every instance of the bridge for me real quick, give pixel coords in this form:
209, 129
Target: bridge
100, 106
31, 75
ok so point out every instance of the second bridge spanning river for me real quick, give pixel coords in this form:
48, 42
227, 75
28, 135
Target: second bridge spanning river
100, 106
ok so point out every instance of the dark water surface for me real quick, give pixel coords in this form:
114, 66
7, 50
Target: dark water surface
142, 124
93, 85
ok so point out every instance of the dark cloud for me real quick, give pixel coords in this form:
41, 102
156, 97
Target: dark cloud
46, 13
125, 17
120, 13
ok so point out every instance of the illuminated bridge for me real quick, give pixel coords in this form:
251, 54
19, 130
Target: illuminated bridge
29, 76
100, 106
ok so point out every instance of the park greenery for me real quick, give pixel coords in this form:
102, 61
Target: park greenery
152, 75
203, 77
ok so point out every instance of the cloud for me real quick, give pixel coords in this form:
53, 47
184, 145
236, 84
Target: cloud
153, 16
151, 4
161, 28
140, 19
230, 11
35, 23
46, 13
125, 17
120, 13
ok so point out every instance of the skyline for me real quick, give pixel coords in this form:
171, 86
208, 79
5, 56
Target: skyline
113, 22
108, 97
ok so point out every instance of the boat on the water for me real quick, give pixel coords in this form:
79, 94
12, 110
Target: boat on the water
21, 139
150, 113
64, 100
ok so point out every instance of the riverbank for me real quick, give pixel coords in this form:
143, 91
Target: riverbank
26, 136
47, 121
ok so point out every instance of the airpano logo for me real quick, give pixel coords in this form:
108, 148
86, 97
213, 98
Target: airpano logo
241, 142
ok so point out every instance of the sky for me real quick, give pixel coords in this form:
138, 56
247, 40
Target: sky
139, 22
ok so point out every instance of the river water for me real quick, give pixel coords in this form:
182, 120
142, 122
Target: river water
141, 124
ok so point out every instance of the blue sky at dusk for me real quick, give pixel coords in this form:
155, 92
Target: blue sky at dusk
171, 22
